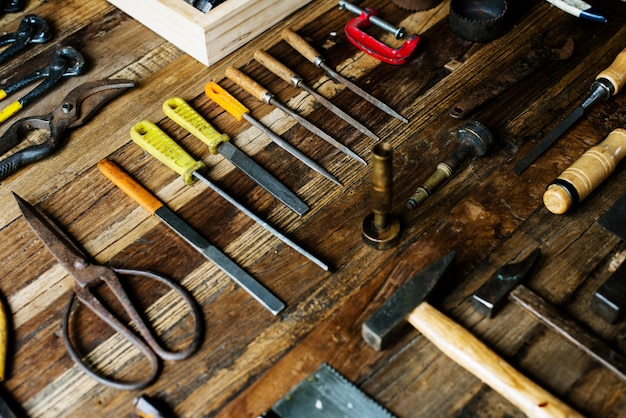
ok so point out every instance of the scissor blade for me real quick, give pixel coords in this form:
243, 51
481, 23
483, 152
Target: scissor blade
58, 243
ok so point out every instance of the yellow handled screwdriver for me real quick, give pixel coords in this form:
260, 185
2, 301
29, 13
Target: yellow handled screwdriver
183, 114
261, 93
220, 96
155, 207
607, 84
153, 140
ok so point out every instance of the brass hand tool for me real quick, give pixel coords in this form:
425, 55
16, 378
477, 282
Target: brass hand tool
87, 276
239, 112
585, 174
303, 47
152, 139
294, 79
150, 203
408, 304
507, 284
607, 84
261, 93
180, 112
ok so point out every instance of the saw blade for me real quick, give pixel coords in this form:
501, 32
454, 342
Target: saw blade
327, 394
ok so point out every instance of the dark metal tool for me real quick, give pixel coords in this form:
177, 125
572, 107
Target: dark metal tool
33, 29
180, 112
150, 203
66, 62
475, 139
239, 112
152, 139
514, 73
507, 284
607, 84
88, 275
381, 228
77, 107
609, 301
408, 304
326, 394
13, 6
294, 79
303, 47
261, 93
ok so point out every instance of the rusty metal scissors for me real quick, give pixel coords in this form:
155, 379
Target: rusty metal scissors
78, 106
86, 276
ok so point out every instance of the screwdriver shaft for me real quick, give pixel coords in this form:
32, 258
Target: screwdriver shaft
290, 148
260, 221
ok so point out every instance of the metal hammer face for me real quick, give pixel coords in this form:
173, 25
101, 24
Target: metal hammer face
492, 295
391, 318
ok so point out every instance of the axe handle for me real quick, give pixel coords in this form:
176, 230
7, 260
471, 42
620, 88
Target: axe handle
473, 355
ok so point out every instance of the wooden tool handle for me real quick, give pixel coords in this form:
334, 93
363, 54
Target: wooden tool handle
246, 83
129, 186
275, 66
300, 44
586, 173
466, 350
616, 72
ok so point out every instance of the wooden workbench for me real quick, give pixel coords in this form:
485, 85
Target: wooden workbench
249, 359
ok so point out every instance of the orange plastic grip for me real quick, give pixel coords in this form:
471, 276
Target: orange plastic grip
129, 186
223, 98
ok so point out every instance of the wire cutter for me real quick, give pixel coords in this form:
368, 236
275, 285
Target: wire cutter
33, 29
66, 62
76, 108
86, 276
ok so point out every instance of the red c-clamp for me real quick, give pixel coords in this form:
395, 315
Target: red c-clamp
354, 30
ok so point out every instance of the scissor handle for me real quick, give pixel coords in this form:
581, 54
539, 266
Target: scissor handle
149, 346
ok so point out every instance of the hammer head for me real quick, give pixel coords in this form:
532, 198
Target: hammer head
390, 319
494, 293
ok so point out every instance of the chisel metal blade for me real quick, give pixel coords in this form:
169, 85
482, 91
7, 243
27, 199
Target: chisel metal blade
548, 140
228, 266
262, 177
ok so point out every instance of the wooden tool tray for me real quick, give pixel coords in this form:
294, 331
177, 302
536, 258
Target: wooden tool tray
209, 37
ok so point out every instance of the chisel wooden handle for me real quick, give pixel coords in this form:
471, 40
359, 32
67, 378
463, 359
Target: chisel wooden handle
470, 353
300, 45
276, 67
248, 84
616, 72
586, 173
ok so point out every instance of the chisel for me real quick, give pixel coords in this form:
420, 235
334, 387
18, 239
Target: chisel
153, 205
607, 84
300, 45
239, 112
261, 93
183, 114
153, 140
294, 79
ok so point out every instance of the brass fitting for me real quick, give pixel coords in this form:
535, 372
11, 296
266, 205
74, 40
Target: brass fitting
381, 229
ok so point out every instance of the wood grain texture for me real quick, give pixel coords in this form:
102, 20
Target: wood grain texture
249, 358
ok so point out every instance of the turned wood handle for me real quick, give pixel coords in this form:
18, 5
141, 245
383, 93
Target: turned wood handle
275, 66
616, 72
246, 83
586, 173
466, 350
300, 45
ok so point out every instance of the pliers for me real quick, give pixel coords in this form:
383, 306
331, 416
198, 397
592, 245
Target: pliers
33, 29
76, 108
66, 62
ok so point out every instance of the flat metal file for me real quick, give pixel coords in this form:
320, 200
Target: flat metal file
239, 112
607, 84
261, 93
294, 79
303, 47
183, 114
153, 205
152, 139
